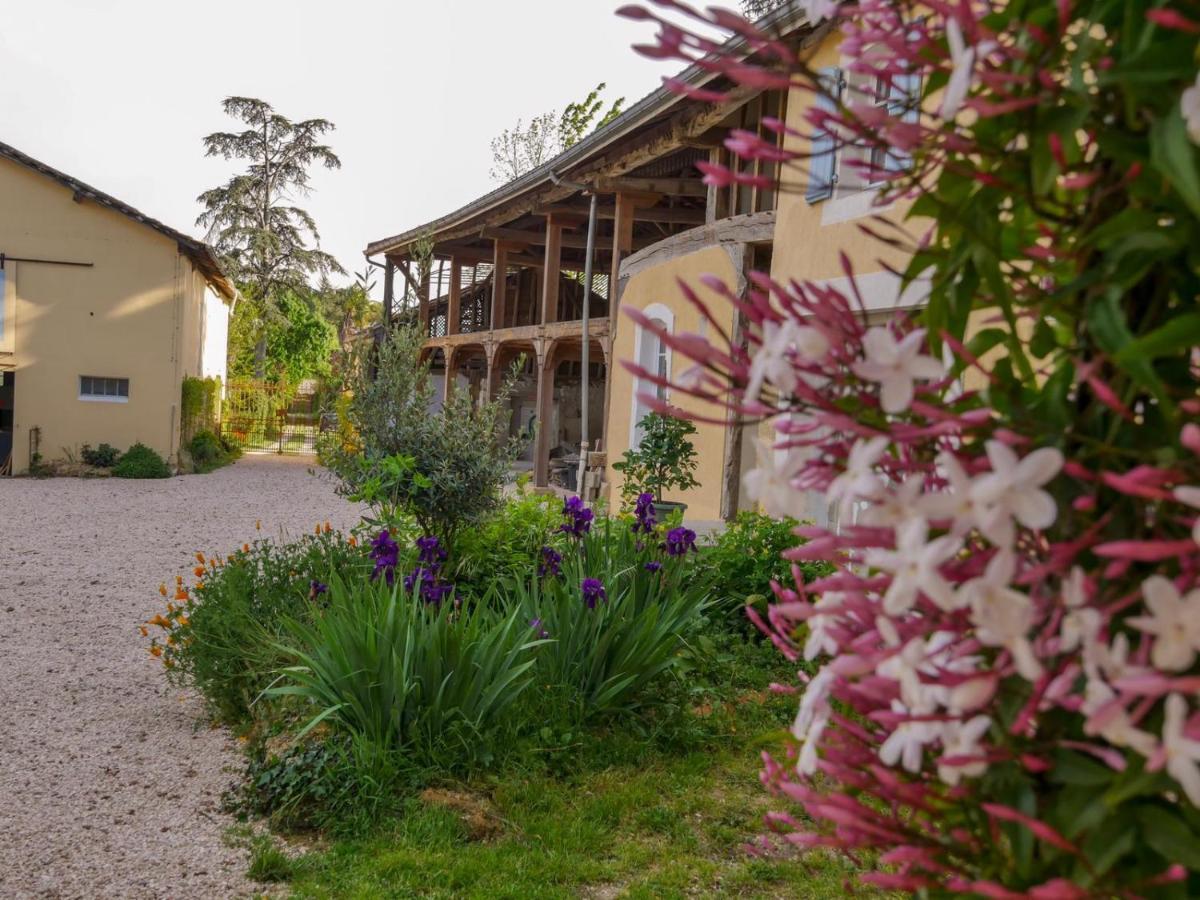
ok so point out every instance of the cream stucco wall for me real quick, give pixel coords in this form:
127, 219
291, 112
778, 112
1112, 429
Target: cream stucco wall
660, 285
139, 312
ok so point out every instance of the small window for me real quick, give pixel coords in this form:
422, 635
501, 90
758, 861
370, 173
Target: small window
110, 390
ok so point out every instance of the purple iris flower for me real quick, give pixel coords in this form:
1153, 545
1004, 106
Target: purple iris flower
386, 553
551, 563
536, 625
430, 550
593, 592
316, 588
643, 512
680, 541
578, 517
653, 566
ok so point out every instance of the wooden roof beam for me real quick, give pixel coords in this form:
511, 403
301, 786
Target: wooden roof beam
662, 215
677, 187
538, 238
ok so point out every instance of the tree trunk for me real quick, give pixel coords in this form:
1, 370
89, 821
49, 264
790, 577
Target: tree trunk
260, 358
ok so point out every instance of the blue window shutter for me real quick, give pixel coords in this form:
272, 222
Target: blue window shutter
906, 102
823, 164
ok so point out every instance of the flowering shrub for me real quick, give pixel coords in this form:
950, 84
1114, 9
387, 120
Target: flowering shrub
1006, 699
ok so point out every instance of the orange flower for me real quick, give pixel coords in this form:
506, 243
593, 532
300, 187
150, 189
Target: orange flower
317, 530
199, 557
170, 640
181, 594
198, 571
179, 579
258, 524
169, 663
183, 620
353, 542
328, 527
156, 650
160, 620
142, 629
245, 548
162, 589
170, 607
199, 584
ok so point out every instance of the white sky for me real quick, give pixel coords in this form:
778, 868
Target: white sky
120, 93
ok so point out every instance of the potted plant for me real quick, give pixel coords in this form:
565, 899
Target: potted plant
664, 459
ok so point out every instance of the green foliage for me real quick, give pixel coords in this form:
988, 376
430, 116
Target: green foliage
140, 461
228, 649
200, 407
602, 659
506, 546
445, 468
209, 452
743, 559
664, 459
577, 119
102, 457
267, 862
299, 342
430, 680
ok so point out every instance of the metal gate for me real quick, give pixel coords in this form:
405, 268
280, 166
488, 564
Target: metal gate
264, 417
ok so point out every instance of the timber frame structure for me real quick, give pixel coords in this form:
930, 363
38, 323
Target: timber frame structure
505, 276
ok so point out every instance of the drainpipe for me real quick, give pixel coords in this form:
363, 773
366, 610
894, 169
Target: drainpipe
585, 350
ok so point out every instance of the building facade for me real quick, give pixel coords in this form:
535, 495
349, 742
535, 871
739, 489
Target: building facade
104, 311
658, 224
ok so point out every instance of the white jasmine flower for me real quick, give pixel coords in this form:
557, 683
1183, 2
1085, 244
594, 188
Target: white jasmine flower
1187, 494
860, 480
1081, 625
962, 72
914, 565
771, 483
819, 639
811, 719
774, 362
1181, 752
1013, 490
1116, 726
896, 506
1002, 615
1174, 621
1189, 108
906, 744
817, 11
958, 502
961, 739
895, 365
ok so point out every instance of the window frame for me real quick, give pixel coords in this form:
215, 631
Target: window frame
87, 384
666, 316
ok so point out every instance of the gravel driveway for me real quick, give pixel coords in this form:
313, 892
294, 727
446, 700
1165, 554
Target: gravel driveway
110, 781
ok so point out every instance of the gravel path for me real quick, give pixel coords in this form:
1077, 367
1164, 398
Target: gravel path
110, 781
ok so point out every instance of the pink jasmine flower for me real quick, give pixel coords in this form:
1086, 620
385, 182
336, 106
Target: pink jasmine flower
895, 365
1013, 490
1109, 719
811, 719
817, 11
1082, 623
1180, 753
820, 642
915, 568
1189, 108
959, 740
1002, 615
859, 480
774, 361
1174, 621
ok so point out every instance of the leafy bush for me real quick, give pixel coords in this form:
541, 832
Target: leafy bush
507, 546
200, 406
139, 461
224, 631
445, 469
664, 458
102, 457
402, 675
742, 560
210, 452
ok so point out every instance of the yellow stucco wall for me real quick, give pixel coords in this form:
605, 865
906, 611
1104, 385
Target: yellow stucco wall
659, 285
136, 314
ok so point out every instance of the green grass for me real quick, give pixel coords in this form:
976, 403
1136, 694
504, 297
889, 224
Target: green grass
673, 828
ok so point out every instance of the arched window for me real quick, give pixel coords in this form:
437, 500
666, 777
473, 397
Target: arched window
654, 356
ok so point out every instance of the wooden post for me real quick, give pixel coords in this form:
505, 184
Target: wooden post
551, 269
448, 355
424, 301
622, 244
545, 412
499, 284
492, 380
453, 305
389, 292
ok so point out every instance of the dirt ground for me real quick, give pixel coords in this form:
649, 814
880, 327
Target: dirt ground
110, 780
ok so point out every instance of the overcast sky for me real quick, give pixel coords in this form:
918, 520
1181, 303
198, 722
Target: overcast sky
120, 93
